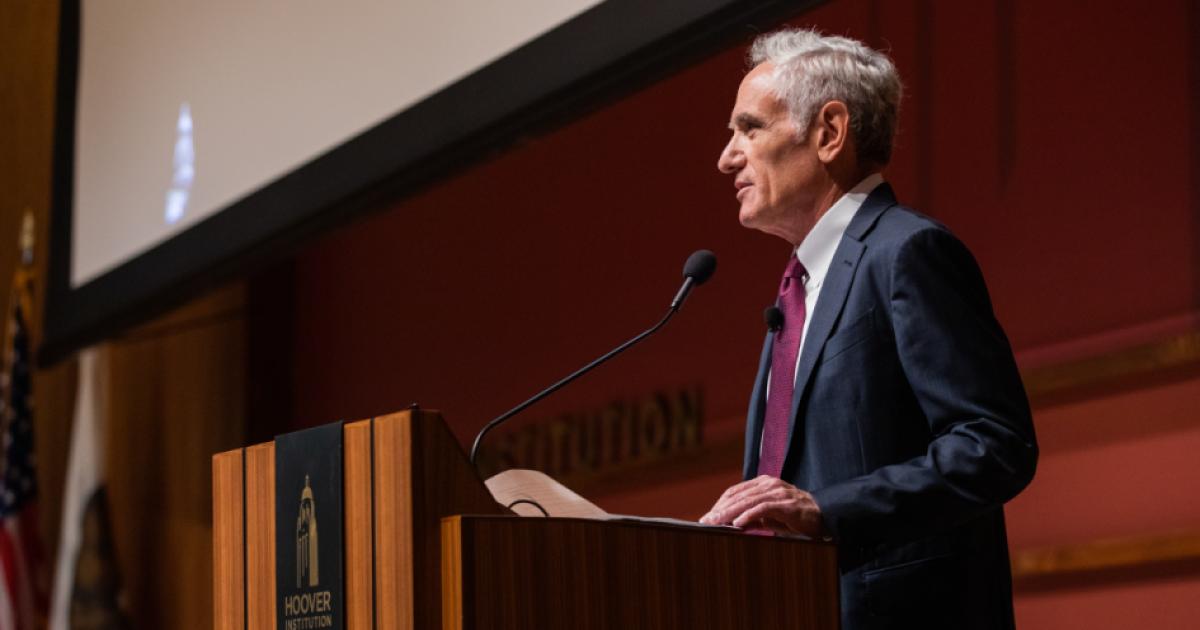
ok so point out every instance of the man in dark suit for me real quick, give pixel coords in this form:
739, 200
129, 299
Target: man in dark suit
888, 413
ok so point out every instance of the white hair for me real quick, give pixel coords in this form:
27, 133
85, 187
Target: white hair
812, 69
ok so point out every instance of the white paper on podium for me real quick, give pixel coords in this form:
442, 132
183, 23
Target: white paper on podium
515, 487
520, 484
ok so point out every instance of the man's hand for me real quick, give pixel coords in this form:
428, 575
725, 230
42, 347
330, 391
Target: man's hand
769, 503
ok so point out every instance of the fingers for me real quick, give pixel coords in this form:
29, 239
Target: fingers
769, 513
720, 512
716, 514
748, 500
732, 503
741, 497
795, 514
741, 488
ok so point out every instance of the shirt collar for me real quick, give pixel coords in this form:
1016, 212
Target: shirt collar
816, 250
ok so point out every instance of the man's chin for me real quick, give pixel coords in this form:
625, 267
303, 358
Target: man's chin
751, 218
753, 221
748, 217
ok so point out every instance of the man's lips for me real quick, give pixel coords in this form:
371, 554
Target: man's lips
742, 187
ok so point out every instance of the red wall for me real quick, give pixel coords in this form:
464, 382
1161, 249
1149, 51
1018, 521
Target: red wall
1059, 144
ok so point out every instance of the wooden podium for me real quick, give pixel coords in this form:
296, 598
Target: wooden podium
426, 546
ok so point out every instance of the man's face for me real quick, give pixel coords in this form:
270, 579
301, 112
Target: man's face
774, 173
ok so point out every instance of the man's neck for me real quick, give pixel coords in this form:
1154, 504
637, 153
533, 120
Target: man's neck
839, 185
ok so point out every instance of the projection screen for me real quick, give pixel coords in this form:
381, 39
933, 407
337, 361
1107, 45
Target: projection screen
193, 139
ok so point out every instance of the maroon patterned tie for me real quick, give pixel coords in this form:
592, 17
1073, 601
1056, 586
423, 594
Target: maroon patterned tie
783, 370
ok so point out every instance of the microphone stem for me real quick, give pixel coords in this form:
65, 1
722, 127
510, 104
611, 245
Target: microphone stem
572, 376
688, 283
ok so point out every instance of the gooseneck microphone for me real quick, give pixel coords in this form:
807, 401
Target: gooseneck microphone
699, 267
774, 318
696, 271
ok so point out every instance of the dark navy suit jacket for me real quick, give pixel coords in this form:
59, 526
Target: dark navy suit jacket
910, 426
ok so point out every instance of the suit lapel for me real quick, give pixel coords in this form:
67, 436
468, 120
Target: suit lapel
832, 299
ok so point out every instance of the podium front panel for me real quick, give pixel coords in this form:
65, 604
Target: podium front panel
517, 573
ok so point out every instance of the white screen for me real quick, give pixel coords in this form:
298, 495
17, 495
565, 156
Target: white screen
184, 107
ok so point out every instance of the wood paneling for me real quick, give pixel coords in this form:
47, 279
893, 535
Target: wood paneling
178, 396
505, 573
260, 537
358, 502
454, 599
393, 525
228, 541
421, 475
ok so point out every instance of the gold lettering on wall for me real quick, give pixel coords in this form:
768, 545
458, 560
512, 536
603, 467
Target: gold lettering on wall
617, 435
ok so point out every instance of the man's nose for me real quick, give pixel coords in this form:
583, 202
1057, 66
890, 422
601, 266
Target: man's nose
731, 159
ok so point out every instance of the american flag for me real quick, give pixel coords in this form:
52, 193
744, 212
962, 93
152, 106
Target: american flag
22, 564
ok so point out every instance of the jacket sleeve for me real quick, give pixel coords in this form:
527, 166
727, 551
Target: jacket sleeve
961, 370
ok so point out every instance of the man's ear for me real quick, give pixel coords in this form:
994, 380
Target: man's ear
832, 126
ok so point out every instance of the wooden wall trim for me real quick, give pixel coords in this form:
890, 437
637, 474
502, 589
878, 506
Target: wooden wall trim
1110, 554
1133, 365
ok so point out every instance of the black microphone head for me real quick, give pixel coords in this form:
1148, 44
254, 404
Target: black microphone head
700, 266
774, 318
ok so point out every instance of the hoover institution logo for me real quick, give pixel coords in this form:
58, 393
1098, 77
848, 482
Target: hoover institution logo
309, 609
308, 564
306, 539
